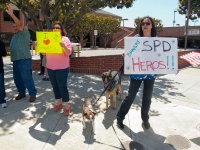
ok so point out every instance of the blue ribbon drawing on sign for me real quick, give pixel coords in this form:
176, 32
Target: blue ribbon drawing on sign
133, 49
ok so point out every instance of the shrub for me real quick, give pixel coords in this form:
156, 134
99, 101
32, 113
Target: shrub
93, 47
8, 53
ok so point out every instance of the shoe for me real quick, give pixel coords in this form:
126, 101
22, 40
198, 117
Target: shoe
67, 112
45, 79
146, 125
32, 98
18, 97
4, 105
40, 73
120, 124
58, 107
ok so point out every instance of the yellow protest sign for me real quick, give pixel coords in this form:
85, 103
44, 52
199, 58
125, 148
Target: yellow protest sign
48, 42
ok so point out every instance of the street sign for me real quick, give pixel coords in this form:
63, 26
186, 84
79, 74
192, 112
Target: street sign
95, 32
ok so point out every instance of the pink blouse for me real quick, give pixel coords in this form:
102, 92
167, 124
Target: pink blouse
59, 61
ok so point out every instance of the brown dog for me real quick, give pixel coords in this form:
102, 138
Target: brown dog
88, 113
113, 88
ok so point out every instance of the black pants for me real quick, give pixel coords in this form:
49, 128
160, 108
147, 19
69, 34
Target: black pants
146, 98
41, 67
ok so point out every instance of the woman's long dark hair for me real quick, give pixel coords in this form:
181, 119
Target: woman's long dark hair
153, 29
63, 32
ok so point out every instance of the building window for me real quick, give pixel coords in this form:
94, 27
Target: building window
7, 16
29, 18
38, 14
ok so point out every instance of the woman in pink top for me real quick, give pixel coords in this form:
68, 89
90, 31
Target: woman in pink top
58, 69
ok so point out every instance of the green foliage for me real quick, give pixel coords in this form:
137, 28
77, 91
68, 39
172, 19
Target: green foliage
8, 54
3, 4
157, 22
69, 12
120, 3
194, 8
85, 25
107, 27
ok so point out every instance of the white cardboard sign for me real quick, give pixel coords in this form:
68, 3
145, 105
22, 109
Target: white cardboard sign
150, 55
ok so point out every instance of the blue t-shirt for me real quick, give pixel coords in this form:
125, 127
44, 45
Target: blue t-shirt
142, 76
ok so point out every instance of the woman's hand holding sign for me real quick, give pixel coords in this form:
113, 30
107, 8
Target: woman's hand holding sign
62, 45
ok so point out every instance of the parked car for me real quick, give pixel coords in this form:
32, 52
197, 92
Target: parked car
75, 46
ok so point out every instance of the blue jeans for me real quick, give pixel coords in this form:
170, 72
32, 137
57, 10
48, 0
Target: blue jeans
146, 98
2, 89
58, 79
22, 73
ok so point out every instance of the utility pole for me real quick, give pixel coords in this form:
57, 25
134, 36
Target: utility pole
123, 28
174, 21
178, 32
95, 38
186, 26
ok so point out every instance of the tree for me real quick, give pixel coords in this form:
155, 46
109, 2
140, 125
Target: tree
84, 27
157, 22
194, 8
191, 11
108, 26
69, 12
28, 8
3, 4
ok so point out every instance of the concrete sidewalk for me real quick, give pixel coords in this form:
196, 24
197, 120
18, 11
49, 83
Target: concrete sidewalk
174, 116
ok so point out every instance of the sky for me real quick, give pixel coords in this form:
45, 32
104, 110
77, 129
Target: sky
159, 9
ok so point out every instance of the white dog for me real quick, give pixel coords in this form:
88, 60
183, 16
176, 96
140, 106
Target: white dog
88, 112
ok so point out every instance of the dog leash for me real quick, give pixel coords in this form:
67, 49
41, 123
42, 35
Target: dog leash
121, 69
118, 138
113, 86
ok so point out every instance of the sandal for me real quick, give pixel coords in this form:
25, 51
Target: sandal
67, 112
58, 107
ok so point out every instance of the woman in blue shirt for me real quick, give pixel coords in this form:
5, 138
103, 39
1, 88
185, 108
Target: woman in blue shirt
147, 29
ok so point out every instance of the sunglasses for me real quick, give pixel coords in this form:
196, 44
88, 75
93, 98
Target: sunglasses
147, 23
56, 27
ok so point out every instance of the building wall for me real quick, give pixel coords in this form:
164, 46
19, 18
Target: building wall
6, 26
117, 40
176, 31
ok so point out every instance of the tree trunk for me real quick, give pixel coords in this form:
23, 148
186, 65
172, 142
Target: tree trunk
91, 38
81, 39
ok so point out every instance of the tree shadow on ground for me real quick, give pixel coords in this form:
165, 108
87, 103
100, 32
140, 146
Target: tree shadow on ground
45, 128
42, 120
